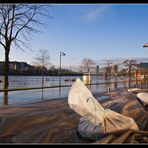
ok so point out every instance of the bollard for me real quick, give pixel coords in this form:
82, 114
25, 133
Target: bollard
87, 79
108, 90
123, 88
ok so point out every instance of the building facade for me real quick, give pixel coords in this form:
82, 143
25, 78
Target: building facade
142, 71
15, 65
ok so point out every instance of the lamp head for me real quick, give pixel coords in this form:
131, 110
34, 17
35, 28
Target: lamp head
145, 45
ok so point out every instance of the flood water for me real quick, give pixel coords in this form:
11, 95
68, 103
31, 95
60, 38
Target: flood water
16, 97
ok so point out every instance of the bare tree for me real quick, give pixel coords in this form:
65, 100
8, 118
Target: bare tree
17, 23
87, 65
42, 60
130, 64
114, 69
107, 70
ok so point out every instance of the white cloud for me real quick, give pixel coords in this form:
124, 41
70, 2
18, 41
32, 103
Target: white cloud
96, 12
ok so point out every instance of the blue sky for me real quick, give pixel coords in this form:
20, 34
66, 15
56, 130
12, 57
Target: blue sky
97, 31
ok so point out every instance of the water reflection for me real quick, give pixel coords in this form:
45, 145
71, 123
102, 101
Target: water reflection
35, 95
5, 98
115, 85
60, 92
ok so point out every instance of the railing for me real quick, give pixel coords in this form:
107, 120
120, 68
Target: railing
61, 93
57, 86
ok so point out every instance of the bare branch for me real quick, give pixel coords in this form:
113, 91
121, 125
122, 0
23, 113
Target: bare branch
42, 58
19, 30
12, 22
20, 20
17, 41
87, 65
2, 44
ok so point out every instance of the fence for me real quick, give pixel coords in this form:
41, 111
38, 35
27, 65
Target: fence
57, 86
25, 93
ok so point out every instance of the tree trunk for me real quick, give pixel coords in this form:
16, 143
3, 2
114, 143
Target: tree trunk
42, 84
6, 70
6, 73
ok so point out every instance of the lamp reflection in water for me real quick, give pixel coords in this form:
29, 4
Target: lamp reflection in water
61, 54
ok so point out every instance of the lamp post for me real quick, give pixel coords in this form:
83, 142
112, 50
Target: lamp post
97, 72
146, 45
61, 54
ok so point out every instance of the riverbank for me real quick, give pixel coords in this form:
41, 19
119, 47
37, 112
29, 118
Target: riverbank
53, 121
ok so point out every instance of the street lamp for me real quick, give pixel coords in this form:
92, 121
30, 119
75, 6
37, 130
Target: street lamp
145, 45
61, 54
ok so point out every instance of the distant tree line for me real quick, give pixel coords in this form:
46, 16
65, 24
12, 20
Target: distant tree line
128, 68
37, 71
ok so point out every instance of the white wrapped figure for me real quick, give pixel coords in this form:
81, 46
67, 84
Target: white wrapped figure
143, 97
95, 119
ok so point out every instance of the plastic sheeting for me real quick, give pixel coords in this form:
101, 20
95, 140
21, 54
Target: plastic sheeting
143, 97
95, 119
134, 89
53, 121
49, 121
125, 136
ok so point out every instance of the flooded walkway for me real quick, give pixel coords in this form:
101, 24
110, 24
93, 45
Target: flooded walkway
18, 82
52, 121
